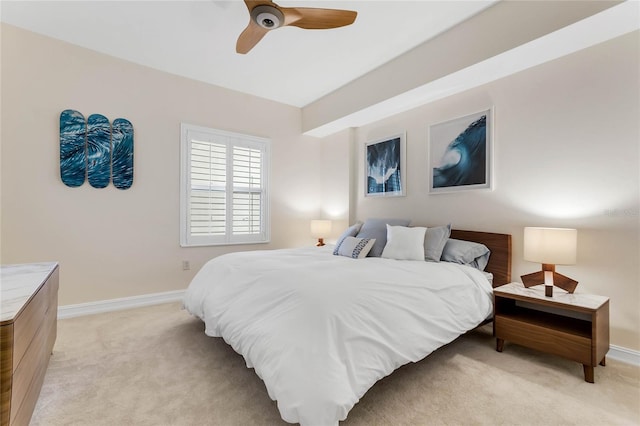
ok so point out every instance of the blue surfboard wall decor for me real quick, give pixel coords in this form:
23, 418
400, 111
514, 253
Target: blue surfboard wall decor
122, 153
73, 160
98, 150
95, 149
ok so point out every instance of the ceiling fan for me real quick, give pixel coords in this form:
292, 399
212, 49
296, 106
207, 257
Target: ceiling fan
265, 16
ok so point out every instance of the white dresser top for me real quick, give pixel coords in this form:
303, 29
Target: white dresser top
589, 301
18, 283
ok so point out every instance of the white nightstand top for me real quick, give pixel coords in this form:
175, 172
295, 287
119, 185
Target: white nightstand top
588, 301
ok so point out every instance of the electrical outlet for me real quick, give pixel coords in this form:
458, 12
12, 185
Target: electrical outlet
186, 265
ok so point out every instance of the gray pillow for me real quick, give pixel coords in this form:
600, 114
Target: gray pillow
466, 253
434, 242
377, 229
351, 231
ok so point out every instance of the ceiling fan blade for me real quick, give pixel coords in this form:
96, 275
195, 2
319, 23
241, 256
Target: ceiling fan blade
253, 3
250, 37
316, 18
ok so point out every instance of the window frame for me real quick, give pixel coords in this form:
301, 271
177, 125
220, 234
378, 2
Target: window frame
230, 140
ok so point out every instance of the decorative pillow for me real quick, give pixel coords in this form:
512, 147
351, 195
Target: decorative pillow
466, 253
356, 248
434, 242
404, 243
351, 231
377, 229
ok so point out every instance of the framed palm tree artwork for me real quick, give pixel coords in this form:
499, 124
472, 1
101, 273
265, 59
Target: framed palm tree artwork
385, 164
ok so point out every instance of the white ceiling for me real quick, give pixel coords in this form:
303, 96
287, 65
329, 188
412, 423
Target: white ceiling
196, 39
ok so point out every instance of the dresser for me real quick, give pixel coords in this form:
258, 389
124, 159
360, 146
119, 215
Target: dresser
28, 314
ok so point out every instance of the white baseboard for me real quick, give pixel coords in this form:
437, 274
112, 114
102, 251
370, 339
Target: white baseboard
90, 308
625, 355
618, 353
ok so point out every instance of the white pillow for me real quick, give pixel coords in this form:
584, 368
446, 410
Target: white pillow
357, 248
404, 243
377, 228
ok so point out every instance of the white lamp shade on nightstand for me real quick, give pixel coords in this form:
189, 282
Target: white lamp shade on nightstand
555, 246
550, 247
320, 228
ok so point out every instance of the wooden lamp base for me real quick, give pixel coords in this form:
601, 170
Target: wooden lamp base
559, 280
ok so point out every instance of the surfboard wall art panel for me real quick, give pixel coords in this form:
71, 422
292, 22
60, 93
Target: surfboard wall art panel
73, 159
122, 153
98, 150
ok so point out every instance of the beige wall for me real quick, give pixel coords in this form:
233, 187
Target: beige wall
112, 243
336, 174
566, 155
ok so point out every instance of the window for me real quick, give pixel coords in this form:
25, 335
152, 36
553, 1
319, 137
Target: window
223, 188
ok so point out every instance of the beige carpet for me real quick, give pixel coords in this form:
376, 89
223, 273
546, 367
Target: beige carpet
155, 366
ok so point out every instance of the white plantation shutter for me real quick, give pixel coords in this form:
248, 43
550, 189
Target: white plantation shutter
247, 190
207, 200
224, 198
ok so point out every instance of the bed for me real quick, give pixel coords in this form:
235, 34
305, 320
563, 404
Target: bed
321, 329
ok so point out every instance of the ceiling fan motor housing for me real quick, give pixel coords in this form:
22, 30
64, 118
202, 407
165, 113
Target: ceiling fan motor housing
268, 17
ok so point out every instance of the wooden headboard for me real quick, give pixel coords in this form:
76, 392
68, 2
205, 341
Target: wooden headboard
499, 260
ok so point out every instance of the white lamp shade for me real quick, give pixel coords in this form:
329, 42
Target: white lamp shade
320, 228
555, 246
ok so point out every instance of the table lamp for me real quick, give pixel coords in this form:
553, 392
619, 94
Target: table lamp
551, 247
320, 229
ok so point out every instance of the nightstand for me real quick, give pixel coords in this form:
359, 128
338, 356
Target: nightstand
574, 326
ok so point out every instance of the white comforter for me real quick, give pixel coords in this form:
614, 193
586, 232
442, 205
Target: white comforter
320, 330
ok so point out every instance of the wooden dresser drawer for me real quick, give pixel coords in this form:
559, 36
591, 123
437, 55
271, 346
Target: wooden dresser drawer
30, 369
29, 322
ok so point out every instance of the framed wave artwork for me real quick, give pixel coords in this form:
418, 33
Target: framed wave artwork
460, 153
385, 164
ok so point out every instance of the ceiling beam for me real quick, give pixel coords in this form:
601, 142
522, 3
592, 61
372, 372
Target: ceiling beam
487, 46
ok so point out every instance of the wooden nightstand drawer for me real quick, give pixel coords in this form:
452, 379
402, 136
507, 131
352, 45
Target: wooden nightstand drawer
544, 339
